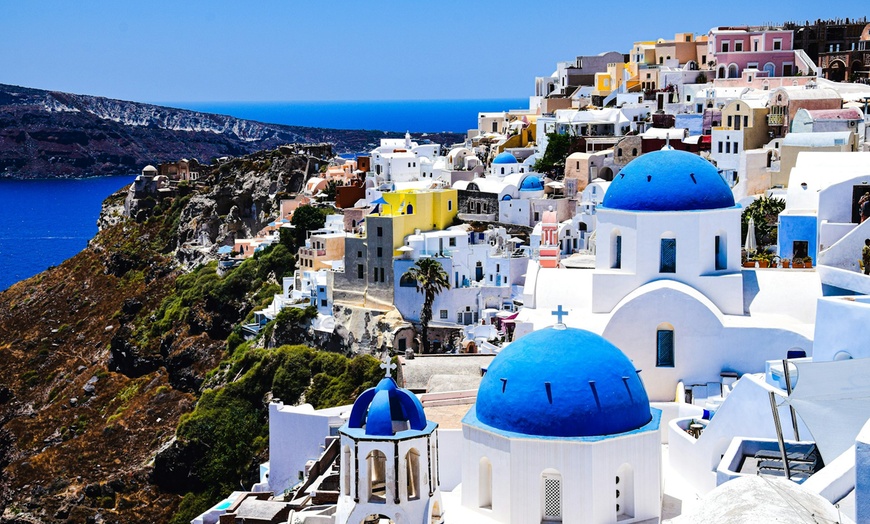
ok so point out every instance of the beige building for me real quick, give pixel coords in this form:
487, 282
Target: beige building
321, 248
785, 102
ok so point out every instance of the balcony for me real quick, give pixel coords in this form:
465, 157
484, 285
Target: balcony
775, 120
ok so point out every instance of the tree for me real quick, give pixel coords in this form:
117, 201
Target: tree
553, 160
765, 211
306, 218
431, 280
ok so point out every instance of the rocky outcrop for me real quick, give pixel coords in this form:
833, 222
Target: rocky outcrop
53, 134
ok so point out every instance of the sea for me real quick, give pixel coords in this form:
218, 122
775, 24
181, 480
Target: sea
46, 221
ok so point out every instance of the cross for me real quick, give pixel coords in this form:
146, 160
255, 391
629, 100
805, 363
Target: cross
559, 314
388, 366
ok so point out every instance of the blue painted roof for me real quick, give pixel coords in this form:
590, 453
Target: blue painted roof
531, 183
504, 158
668, 180
562, 383
377, 408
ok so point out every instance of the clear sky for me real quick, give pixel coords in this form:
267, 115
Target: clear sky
271, 50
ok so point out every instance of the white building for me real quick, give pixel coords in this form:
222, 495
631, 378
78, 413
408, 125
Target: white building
562, 431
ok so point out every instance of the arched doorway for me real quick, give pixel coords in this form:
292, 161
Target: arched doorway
733, 71
606, 174
836, 71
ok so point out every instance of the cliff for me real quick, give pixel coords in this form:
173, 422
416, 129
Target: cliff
54, 134
127, 392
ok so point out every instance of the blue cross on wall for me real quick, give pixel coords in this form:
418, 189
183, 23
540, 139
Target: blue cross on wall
559, 314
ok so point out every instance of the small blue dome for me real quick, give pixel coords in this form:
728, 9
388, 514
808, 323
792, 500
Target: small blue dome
562, 383
668, 180
531, 183
505, 158
387, 409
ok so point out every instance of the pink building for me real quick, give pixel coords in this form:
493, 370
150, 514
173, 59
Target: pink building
735, 49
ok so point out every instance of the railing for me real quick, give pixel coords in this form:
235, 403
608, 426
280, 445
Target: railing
775, 120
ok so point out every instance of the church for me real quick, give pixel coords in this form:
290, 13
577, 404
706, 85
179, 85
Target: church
561, 431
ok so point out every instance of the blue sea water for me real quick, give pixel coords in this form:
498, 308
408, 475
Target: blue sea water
44, 222
429, 116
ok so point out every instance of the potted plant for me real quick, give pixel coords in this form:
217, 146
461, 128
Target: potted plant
808, 262
784, 263
764, 259
797, 263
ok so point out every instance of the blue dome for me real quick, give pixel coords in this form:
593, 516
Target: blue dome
531, 183
562, 383
387, 409
668, 180
504, 158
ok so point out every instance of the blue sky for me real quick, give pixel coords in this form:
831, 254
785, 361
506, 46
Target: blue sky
270, 50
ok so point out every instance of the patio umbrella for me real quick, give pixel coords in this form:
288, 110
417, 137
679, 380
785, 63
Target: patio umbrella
750, 245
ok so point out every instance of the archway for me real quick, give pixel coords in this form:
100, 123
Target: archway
836, 71
733, 71
606, 174
377, 466
412, 473
720, 72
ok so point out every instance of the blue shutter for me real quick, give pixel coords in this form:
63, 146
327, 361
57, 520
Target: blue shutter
665, 348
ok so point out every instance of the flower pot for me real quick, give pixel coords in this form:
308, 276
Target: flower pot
764, 263
798, 264
808, 264
784, 264
749, 263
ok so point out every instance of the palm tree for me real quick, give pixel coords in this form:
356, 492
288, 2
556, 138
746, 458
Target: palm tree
431, 280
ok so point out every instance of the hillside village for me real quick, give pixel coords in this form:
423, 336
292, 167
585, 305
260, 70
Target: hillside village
639, 299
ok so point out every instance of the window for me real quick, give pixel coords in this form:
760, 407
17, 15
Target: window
484, 483
374, 274
738, 46
380, 231
322, 302
720, 253
410, 209
382, 274
720, 147
725, 46
668, 261
380, 252
450, 205
665, 348
443, 314
359, 254
618, 153
360, 272
407, 281
777, 44
728, 147
745, 120
377, 466
617, 251
451, 242
736, 149
634, 151
730, 122
412, 473
551, 497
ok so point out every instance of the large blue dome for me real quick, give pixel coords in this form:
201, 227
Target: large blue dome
562, 383
505, 158
668, 180
387, 409
532, 183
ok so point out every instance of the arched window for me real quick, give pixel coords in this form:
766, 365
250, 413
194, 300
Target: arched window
551, 496
346, 471
484, 484
409, 210
412, 473
668, 256
665, 346
733, 71
624, 492
634, 151
615, 249
377, 466
721, 252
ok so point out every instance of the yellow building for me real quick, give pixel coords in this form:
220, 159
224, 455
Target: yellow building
368, 258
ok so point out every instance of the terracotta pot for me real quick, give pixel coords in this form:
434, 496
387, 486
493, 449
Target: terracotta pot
764, 263
749, 263
784, 264
798, 264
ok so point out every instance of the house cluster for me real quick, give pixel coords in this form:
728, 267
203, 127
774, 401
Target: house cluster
605, 353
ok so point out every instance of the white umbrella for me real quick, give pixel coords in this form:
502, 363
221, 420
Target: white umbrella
751, 244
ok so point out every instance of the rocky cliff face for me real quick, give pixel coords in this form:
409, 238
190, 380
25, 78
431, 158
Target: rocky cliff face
90, 389
53, 134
